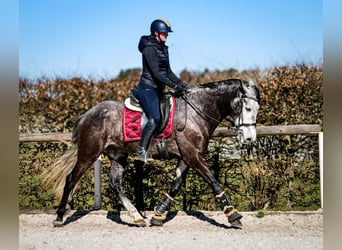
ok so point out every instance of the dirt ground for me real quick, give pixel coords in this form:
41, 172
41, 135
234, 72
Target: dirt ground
182, 230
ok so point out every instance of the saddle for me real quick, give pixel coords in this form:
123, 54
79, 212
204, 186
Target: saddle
134, 119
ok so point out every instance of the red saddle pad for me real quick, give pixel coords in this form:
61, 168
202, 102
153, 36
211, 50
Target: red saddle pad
131, 124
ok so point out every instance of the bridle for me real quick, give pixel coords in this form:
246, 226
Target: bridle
209, 117
242, 124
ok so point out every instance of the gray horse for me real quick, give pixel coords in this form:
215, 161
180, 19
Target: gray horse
199, 112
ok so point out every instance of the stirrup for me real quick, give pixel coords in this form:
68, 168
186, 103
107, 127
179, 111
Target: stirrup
141, 155
140, 158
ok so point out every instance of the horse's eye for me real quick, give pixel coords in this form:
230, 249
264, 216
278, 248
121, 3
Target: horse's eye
248, 109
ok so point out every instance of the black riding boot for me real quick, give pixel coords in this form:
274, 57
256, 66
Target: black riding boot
145, 142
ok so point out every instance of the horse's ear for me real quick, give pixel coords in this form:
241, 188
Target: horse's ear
243, 87
250, 89
251, 83
246, 86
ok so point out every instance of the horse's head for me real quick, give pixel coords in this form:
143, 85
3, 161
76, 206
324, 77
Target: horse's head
247, 107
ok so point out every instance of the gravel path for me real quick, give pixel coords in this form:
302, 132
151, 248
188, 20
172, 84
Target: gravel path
194, 230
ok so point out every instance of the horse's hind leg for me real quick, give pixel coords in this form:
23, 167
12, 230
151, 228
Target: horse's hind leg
181, 172
115, 181
71, 180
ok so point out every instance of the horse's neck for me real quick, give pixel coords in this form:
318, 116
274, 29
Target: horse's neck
208, 106
216, 104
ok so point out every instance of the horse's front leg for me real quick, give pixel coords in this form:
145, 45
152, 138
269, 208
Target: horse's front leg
181, 172
115, 182
199, 165
231, 213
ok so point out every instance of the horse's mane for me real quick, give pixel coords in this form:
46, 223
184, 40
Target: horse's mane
214, 84
231, 81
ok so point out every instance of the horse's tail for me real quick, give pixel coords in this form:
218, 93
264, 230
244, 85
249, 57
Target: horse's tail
55, 175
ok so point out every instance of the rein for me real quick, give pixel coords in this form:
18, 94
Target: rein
202, 114
185, 118
206, 116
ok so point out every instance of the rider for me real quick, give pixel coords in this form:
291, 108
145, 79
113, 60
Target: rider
156, 74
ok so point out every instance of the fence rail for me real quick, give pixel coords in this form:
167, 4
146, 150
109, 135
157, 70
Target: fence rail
313, 129
219, 132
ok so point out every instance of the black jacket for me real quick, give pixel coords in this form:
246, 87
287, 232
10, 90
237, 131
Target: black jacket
156, 70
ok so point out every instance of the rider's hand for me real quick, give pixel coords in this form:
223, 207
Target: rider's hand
182, 86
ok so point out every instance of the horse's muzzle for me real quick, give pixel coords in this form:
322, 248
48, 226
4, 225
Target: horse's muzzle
246, 135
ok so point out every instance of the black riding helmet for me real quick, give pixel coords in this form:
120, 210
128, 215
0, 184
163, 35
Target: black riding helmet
160, 25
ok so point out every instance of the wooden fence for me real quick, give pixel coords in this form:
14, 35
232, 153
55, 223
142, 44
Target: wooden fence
312, 129
219, 132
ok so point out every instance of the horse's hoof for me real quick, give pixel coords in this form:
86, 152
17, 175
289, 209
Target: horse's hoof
234, 220
57, 223
236, 224
157, 220
140, 223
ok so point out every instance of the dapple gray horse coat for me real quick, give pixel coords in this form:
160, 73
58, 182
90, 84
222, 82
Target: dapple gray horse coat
99, 131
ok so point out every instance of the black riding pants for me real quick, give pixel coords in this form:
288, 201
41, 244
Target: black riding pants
149, 100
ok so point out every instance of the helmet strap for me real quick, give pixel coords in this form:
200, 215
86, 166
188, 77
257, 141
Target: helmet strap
159, 39
157, 35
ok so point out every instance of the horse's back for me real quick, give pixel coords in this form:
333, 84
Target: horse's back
99, 123
104, 107
103, 112
109, 105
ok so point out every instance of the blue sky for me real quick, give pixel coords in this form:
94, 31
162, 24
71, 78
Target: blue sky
97, 39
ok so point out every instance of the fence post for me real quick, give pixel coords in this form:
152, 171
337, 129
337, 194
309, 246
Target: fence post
320, 142
139, 193
97, 183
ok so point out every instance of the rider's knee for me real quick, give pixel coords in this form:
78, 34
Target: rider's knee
154, 122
